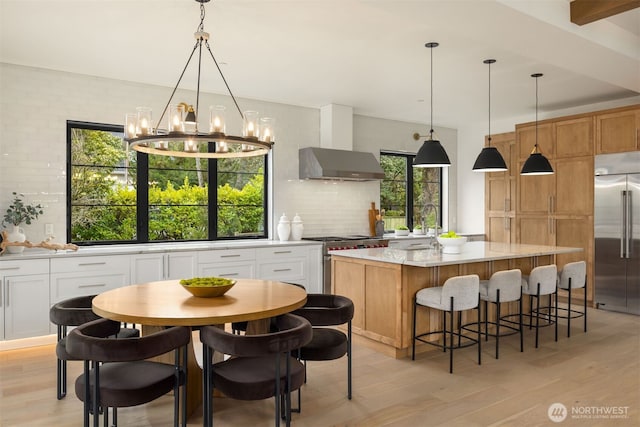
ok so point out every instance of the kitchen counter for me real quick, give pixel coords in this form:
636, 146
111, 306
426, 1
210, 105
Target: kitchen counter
472, 252
144, 248
382, 283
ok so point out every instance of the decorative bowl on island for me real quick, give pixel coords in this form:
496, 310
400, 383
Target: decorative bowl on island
207, 287
452, 245
402, 231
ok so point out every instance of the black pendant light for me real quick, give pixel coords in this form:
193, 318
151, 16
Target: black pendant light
489, 159
431, 154
536, 164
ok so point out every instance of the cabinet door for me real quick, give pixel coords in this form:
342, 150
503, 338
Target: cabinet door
576, 232
617, 132
535, 230
500, 229
574, 137
526, 140
180, 265
147, 268
232, 270
536, 192
26, 306
574, 186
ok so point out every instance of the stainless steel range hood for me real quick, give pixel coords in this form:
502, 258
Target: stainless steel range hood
327, 163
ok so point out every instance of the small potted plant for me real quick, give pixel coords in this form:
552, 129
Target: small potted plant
18, 213
417, 230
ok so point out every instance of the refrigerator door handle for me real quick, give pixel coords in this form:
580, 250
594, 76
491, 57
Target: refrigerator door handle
623, 225
628, 225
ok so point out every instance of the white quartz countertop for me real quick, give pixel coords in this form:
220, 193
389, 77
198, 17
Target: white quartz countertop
471, 252
144, 248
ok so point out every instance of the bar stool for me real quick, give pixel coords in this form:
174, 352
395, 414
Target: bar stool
542, 281
457, 294
573, 276
502, 286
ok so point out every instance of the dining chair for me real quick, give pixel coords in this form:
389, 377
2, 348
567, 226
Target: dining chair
261, 365
327, 343
457, 294
117, 374
68, 313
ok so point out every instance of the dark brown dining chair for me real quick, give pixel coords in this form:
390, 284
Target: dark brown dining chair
261, 366
116, 373
324, 311
68, 313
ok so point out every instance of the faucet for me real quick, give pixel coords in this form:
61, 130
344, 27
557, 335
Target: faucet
425, 209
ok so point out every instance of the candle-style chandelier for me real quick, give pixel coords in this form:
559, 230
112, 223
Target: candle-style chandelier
182, 136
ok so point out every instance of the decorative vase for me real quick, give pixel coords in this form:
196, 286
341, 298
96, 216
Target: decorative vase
284, 228
15, 234
296, 228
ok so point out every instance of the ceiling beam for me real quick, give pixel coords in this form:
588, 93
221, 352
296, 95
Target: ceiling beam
586, 11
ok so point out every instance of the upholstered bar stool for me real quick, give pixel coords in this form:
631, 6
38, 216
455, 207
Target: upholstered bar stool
573, 276
457, 294
540, 282
502, 287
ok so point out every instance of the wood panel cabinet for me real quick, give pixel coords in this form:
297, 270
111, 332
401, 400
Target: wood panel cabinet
574, 137
500, 192
617, 131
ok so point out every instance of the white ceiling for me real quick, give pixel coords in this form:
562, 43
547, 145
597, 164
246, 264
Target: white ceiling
366, 54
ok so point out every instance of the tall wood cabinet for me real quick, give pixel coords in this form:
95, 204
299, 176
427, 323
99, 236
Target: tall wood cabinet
617, 131
500, 192
556, 209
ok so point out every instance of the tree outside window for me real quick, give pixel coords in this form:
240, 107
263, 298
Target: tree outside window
177, 203
409, 196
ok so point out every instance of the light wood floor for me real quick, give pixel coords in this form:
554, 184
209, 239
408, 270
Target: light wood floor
598, 369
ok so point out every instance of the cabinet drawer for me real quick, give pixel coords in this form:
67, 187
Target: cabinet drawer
281, 252
231, 270
69, 285
226, 255
24, 267
282, 270
110, 263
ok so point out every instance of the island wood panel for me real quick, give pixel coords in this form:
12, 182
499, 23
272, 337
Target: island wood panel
347, 279
383, 284
383, 294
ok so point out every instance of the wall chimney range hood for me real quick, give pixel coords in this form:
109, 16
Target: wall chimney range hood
327, 163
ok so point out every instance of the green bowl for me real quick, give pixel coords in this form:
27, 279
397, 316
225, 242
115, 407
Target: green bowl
210, 291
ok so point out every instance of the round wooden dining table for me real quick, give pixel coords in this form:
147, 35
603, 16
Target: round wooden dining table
167, 303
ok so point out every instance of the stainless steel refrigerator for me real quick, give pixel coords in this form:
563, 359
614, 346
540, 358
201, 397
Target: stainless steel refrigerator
617, 232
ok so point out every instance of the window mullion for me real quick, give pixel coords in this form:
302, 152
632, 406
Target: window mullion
142, 197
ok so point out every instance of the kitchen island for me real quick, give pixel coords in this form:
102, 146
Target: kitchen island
383, 281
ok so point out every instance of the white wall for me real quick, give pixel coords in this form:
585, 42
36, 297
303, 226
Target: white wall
36, 103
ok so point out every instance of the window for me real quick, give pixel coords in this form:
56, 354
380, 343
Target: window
106, 204
409, 195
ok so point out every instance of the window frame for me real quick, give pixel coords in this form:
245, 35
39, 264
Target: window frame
142, 194
409, 186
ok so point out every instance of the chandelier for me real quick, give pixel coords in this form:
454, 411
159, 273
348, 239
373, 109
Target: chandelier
182, 136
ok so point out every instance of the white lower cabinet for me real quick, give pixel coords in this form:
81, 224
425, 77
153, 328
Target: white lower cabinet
24, 298
163, 266
292, 264
231, 263
81, 276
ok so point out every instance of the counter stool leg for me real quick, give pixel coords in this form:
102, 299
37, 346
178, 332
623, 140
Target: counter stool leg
530, 311
585, 306
451, 341
520, 321
444, 331
497, 322
555, 294
479, 334
569, 312
413, 335
537, 313
486, 321
459, 329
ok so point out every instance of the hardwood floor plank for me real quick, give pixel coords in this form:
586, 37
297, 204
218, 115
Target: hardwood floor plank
598, 369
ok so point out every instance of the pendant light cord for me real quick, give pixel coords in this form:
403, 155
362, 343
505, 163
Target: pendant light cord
431, 130
536, 114
489, 103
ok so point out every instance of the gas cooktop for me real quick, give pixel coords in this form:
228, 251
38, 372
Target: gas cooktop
339, 238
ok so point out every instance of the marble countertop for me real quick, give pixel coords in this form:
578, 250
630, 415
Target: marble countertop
471, 252
145, 248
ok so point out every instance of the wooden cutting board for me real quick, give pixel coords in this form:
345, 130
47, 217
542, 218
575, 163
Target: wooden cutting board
373, 213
